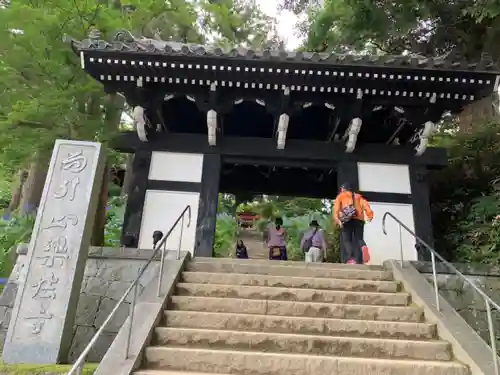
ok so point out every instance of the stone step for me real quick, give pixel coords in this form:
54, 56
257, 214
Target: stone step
291, 282
289, 263
291, 294
259, 267
303, 344
291, 324
246, 362
292, 308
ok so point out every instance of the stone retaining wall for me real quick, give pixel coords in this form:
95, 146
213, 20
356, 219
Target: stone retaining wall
108, 274
468, 303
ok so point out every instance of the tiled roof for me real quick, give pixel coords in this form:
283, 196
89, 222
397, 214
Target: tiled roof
126, 42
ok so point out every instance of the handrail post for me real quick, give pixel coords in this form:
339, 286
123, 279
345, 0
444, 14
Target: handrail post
79, 369
435, 281
401, 245
160, 276
132, 309
493, 340
180, 239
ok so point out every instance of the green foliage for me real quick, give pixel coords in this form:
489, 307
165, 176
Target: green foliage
479, 233
262, 224
13, 232
272, 206
4, 196
28, 369
428, 28
114, 190
226, 204
226, 231
50, 96
299, 206
268, 210
465, 197
113, 227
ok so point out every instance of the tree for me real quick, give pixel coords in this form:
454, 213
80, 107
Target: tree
465, 29
49, 96
428, 28
44, 93
465, 197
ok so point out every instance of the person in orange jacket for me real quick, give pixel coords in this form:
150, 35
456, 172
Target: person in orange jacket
350, 212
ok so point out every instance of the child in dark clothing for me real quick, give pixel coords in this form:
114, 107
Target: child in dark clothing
241, 250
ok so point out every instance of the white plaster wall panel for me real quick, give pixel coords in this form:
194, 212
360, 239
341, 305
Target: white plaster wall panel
384, 247
384, 178
176, 166
161, 209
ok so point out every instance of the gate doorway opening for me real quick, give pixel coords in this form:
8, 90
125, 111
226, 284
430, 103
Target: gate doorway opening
296, 191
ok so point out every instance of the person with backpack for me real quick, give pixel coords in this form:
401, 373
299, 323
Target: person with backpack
349, 212
313, 244
276, 241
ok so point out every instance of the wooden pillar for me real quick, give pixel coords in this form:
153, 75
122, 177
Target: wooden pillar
421, 208
132, 219
207, 210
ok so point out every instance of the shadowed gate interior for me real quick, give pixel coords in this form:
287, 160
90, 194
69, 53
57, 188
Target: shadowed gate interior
293, 178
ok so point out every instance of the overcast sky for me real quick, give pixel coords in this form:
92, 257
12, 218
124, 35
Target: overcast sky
286, 20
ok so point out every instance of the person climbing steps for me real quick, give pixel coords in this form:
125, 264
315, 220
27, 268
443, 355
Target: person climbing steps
349, 212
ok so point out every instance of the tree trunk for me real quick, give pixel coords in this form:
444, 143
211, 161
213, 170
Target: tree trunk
17, 190
33, 187
129, 176
101, 213
479, 112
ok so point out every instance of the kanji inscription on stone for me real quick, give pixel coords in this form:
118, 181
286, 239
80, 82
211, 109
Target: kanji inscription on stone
42, 320
67, 189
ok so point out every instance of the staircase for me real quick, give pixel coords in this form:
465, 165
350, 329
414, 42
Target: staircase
257, 317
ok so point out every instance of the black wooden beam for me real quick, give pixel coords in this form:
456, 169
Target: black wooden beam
207, 209
375, 196
279, 162
161, 89
431, 85
194, 187
295, 149
347, 172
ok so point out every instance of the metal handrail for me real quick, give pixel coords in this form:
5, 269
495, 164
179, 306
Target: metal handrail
434, 254
77, 367
162, 243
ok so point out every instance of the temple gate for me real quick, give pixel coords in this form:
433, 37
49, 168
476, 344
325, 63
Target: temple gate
276, 122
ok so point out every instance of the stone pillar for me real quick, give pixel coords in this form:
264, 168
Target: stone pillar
41, 326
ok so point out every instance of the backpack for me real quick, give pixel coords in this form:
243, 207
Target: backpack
308, 242
348, 212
